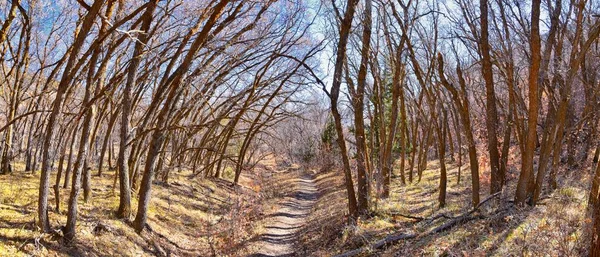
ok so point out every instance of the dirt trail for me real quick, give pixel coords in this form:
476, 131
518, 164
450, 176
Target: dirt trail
287, 220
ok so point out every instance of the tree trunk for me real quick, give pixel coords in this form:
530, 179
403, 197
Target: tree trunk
7, 150
462, 103
403, 134
523, 191
358, 101
65, 81
346, 25
111, 124
491, 119
442, 155
413, 154
80, 165
70, 157
124, 210
158, 136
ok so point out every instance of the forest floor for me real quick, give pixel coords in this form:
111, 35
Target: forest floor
281, 209
555, 227
189, 216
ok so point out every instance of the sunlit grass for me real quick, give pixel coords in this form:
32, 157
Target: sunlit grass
555, 227
179, 212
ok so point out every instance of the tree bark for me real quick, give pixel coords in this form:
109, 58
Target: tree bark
462, 103
523, 188
124, 210
65, 81
361, 148
346, 24
491, 119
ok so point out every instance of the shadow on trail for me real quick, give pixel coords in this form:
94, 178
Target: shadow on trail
287, 221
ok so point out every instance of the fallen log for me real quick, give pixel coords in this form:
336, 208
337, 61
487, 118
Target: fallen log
392, 239
406, 216
450, 224
389, 240
439, 216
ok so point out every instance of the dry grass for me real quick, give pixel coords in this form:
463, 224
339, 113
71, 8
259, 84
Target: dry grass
189, 217
203, 217
553, 228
